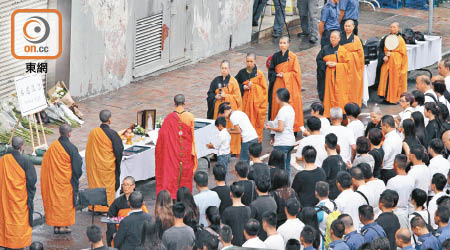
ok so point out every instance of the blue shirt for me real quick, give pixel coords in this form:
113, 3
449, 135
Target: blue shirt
338, 245
351, 8
428, 241
330, 16
408, 248
354, 240
309, 248
372, 231
443, 233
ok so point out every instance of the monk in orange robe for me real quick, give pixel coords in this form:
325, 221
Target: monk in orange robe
332, 74
17, 190
104, 151
353, 45
394, 71
253, 87
225, 88
60, 174
121, 208
175, 154
284, 72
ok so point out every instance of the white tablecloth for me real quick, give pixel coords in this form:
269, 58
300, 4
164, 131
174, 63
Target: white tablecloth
142, 165
420, 55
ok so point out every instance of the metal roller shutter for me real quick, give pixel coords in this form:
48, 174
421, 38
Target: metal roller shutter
9, 66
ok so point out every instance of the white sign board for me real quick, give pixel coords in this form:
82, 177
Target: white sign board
30, 92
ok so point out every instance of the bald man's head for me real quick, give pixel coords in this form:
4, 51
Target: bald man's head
446, 139
179, 100
17, 142
105, 116
403, 237
394, 27
64, 130
284, 38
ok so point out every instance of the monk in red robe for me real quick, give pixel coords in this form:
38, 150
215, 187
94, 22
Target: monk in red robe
254, 92
225, 88
17, 190
175, 155
104, 151
60, 174
394, 71
284, 72
332, 74
353, 45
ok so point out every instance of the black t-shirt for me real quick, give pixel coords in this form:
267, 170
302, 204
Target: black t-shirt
331, 166
236, 217
224, 196
304, 185
370, 126
378, 155
249, 193
390, 224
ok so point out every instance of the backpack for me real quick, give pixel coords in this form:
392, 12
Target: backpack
332, 216
419, 36
408, 36
371, 49
433, 97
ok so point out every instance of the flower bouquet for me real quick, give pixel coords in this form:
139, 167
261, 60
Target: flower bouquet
159, 122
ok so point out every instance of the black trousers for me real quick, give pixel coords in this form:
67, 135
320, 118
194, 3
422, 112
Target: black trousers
387, 174
355, 31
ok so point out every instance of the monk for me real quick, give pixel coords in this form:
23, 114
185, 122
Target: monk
394, 71
120, 207
353, 45
332, 74
225, 88
17, 190
60, 174
104, 151
284, 72
175, 155
253, 87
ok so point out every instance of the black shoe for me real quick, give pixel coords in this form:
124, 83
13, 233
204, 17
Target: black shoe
302, 34
313, 40
255, 24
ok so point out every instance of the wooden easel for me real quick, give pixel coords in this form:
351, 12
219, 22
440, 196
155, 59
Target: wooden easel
32, 119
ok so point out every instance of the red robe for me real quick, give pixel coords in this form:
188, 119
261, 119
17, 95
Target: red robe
175, 157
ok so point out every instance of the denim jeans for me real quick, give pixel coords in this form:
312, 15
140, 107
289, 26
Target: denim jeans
280, 14
225, 161
287, 157
258, 6
244, 150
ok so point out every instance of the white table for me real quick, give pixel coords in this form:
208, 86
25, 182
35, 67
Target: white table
420, 55
142, 165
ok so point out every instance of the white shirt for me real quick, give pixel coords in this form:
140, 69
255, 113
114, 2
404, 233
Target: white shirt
345, 140
370, 195
285, 137
348, 202
432, 207
254, 243
444, 101
222, 144
248, 133
324, 125
203, 200
323, 224
405, 114
291, 229
377, 186
429, 98
274, 242
447, 83
392, 146
357, 127
421, 176
403, 185
318, 142
439, 164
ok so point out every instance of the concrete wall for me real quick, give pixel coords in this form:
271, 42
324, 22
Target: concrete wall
216, 22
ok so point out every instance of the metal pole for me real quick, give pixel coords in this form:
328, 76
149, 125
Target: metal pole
430, 16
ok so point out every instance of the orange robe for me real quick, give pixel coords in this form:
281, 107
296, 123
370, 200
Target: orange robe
336, 78
15, 198
233, 96
175, 154
254, 100
59, 172
395, 70
356, 68
101, 166
291, 80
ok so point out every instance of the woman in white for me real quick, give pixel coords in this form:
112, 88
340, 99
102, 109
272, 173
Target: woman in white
282, 127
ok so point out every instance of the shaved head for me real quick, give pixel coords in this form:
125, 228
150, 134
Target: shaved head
65, 129
225, 62
179, 100
396, 24
337, 33
403, 235
251, 55
446, 139
284, 38
105, 115
17, 142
